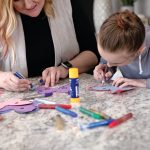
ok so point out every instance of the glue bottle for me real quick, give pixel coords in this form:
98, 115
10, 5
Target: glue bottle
74, 85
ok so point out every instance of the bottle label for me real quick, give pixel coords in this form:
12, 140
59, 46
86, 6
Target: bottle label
74, 88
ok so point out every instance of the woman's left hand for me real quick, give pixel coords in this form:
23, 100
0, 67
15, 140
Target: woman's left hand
123, 82
52, 75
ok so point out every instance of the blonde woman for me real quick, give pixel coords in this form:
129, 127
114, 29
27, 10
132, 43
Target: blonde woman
36, 36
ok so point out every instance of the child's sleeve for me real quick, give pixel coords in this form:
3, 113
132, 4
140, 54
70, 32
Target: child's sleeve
103, 61
148, 83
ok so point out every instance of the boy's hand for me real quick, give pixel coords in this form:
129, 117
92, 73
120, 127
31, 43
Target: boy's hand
101, 73
10, 82
123, 82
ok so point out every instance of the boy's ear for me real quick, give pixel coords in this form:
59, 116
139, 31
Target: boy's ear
141, 49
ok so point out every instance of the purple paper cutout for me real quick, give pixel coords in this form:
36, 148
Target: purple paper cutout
19, 109
111, 88
43, 89
61, 89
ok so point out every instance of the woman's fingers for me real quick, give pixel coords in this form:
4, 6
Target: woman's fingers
51, 76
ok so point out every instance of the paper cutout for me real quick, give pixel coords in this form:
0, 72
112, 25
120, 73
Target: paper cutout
14, 102
1, 91
18, 109
111, 88
61, 89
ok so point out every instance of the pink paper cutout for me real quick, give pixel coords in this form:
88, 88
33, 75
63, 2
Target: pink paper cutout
14, 102
1, 91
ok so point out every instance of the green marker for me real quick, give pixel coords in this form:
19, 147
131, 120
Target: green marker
90, 113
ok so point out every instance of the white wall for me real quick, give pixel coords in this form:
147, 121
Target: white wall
141, 6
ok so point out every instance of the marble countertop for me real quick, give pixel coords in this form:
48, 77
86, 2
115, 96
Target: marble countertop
37, 131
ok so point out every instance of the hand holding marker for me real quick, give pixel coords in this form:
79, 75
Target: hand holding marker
106, 79
20, 76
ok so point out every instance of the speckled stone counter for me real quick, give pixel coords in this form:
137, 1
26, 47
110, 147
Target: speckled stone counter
36, 131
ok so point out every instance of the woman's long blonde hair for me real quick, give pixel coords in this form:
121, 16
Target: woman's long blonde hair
8, 23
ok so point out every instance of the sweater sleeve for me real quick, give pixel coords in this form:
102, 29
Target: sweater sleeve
148, 83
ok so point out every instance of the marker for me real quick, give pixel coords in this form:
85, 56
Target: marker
120, 120
96, 124
104, 80
53, 106
20, 76
103, 115
43, 101
90, 113
38, 96
66, 112
41, 82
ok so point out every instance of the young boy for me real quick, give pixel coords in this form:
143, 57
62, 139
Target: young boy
122, 42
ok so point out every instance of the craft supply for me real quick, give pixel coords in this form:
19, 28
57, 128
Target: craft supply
1, 118
20, 76
19, 109
1, 91
90, 113
41, 82
111, 88
43, 101
61, 89
96, 124
103, 115
120, 120
74, 85
14, 102
38, 96
52, 106
66, 111
59, 122
104, 78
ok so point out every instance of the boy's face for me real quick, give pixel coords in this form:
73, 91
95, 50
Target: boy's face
120, 58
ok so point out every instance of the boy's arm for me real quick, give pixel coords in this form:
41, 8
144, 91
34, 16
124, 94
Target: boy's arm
148, 83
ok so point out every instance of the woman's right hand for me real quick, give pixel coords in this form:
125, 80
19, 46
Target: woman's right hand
101, 73
10, 82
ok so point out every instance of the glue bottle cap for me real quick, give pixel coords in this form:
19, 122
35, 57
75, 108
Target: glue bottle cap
73, 73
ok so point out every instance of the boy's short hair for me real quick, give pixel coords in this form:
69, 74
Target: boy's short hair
122, 30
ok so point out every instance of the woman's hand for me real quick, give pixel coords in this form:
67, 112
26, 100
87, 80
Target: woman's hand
10, 82
123, 82
100, 73
52, 75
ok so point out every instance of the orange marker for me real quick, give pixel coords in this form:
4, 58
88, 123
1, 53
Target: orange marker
120, 120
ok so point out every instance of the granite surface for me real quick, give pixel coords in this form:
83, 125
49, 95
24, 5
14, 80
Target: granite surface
37, 130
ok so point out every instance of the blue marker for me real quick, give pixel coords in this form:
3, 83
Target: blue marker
96, 124
41, 82
20, 76
66, 111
